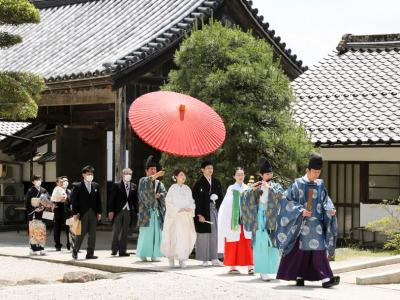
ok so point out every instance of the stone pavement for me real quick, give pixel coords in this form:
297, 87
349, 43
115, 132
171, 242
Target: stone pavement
206, 275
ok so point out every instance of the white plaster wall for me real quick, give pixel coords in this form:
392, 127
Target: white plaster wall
51, 172
37, 170
361, 154
373, 212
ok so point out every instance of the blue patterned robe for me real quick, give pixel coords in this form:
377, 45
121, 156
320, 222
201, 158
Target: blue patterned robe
147, 200
249, 208
318, 232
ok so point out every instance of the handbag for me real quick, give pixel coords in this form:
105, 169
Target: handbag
76, 227
48, 215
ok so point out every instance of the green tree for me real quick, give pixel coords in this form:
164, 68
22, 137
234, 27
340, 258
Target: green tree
239, 77
19, 91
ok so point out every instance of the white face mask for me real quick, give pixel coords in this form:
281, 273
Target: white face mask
89, 178
37, 183
65, 184
127, 177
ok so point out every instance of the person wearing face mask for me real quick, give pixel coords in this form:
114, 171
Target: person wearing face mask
86, 206
59, 197
68, 212
37, 228
121, 207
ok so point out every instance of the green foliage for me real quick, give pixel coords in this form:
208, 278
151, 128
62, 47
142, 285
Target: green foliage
17, 12
8, 40
389, 225
393, 243
19, 92
237, 75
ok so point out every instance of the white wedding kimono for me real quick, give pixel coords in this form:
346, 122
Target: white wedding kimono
179, 234
225, 219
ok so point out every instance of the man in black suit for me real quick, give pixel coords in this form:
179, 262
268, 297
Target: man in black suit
86, 205
121, 207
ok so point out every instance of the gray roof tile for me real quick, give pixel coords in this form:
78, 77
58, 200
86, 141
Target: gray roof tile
352, 96
11, 128
85, 38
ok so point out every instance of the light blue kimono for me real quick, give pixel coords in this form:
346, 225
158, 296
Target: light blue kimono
259, 216
265, 256
150, 217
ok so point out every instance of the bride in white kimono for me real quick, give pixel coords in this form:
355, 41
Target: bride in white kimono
179, 234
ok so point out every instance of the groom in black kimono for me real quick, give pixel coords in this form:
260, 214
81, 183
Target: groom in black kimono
208, 195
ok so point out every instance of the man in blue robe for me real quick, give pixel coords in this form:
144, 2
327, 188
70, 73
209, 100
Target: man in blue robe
307, 230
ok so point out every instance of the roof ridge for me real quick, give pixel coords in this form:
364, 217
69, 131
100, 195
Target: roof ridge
42, 4
368, 41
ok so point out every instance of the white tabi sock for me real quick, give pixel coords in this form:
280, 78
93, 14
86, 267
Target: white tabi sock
325, 280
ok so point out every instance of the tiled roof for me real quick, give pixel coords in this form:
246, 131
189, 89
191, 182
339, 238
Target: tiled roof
85, 38
11, 128
353, 95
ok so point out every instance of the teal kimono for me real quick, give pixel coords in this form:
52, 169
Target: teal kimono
150, 217
259, 211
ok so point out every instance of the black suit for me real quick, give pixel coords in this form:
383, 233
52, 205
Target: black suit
123, 204
82, 201
88, 205
119, 198
201, 195
60, 216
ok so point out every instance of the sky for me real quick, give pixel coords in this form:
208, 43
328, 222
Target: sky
313, 28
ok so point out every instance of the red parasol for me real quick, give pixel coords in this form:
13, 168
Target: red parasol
177, 124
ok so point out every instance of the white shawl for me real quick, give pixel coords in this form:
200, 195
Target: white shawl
225, 219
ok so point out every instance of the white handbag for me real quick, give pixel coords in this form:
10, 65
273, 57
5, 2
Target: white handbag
48, 215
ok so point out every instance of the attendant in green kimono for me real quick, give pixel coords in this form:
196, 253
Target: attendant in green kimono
260, 205
151, 195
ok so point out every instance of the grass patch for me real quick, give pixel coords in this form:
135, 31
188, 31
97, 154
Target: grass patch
352, 253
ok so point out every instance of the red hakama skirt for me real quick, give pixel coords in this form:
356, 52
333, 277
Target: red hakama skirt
238, 253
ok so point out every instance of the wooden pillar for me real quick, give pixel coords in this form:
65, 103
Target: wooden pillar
120, 133
131, 96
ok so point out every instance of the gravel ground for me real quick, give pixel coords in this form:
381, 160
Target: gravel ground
144, 286
192, 283
18, 269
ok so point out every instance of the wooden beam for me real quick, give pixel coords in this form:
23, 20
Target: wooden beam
78, 97
120, 133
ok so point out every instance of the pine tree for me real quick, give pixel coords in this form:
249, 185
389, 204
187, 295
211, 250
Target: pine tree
19, 91
237, 75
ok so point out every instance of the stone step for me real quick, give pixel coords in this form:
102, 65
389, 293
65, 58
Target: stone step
388, 277
366, 265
